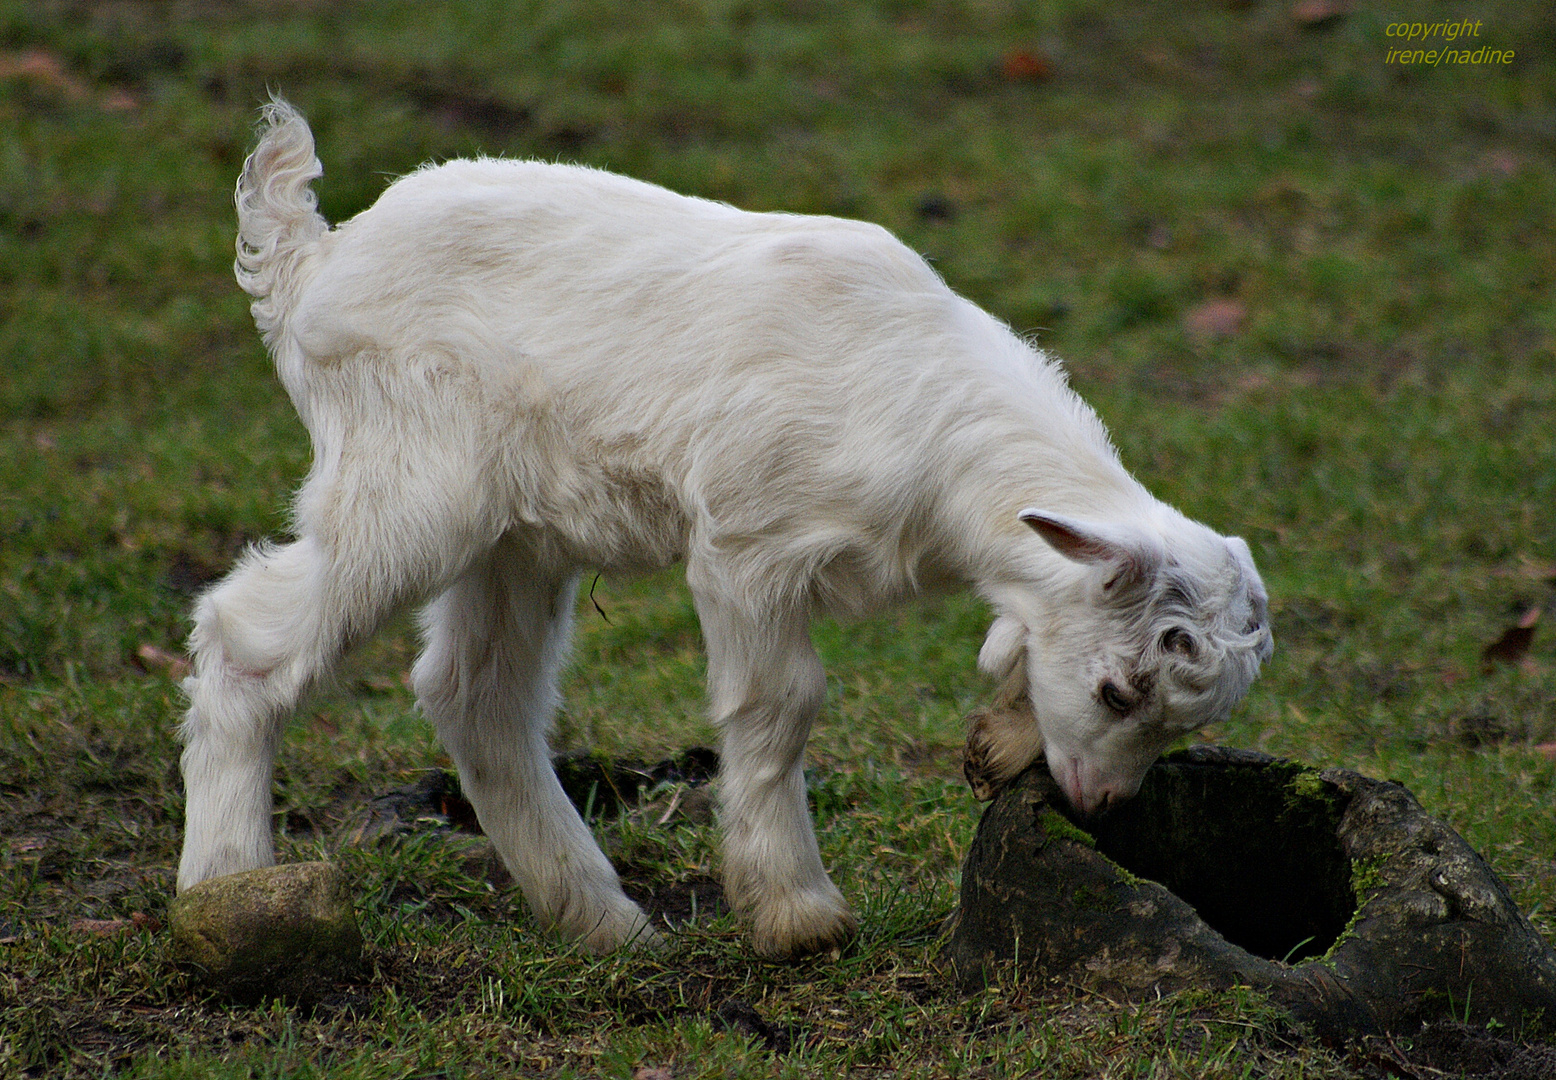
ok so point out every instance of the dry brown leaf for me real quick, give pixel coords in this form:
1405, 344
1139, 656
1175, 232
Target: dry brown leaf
1503, 162
154, 658
101, 927
138, 920
1215, 319
45, 70
42, 68
119, 100
1022, 65
1315, 13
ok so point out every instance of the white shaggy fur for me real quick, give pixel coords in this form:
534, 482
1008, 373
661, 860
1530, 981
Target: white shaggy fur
513, 371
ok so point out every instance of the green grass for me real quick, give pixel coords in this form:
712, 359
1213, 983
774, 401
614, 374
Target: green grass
1381, 428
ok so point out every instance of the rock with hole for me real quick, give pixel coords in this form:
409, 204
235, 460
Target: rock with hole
285, 931
1335, 894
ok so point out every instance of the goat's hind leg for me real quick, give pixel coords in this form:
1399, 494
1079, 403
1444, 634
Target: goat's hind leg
496, 642
271, 628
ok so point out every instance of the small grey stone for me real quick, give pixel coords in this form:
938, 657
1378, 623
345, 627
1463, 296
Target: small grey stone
278, 930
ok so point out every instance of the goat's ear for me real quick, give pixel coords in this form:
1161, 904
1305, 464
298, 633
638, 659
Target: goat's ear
1129, 554
1003, 648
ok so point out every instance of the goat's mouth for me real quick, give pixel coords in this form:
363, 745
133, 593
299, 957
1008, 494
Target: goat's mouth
1091, 793
1102, 775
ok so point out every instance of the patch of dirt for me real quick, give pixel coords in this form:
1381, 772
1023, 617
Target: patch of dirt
736, 1014
189, 571
606, 788
432, 801
1448, 1049
599, 787
674, 903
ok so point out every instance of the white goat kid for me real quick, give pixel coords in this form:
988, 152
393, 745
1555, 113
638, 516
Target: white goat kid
512, 371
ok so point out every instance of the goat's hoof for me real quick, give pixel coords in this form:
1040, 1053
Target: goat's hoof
978, 765
1001, 743
804, 923
983, 783
628, 928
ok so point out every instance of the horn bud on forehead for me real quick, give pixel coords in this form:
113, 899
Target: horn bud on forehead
1258, 599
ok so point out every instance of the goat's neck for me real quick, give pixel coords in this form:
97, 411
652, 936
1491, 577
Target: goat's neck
1076, 477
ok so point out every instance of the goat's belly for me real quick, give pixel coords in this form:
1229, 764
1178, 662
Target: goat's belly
606, 518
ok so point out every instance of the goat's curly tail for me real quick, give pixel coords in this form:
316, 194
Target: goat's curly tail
278, 215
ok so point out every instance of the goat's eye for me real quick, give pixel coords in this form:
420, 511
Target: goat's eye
1178, 640
1115, 699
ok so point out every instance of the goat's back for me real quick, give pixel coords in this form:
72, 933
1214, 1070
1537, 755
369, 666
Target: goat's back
660, 365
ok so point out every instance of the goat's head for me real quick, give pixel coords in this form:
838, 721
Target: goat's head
1159, 632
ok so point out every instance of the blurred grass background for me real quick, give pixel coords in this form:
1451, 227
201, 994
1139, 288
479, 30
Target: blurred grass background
1309, 291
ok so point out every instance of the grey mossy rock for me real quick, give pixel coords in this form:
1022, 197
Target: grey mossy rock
1387, 915
286, 931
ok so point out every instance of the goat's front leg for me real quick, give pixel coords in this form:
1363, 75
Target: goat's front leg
767, 685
